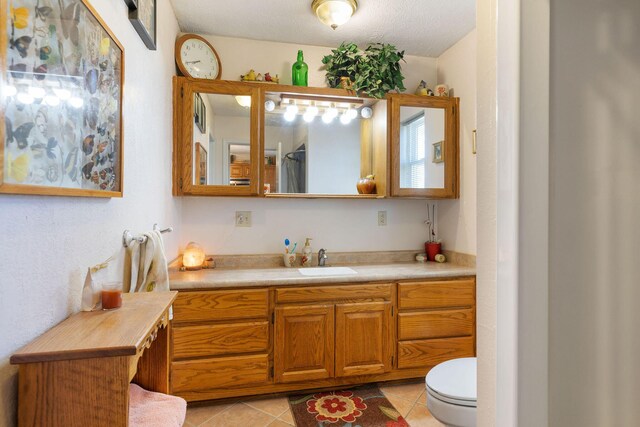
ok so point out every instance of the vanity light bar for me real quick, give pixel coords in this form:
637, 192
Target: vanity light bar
350, 102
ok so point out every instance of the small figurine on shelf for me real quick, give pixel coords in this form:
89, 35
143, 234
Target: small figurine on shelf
249, 77
268, 78
442, 90
423, 89
259, 78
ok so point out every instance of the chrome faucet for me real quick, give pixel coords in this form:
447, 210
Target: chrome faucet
322, 257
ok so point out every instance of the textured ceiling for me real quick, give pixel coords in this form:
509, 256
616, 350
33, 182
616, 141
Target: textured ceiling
420, 27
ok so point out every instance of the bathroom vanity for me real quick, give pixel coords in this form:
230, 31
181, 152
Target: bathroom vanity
248, 332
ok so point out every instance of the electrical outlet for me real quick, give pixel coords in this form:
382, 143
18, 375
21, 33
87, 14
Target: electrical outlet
243, 218
382, 218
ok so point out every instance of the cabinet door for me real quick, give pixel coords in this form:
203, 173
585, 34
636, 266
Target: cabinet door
304, 343
246, 171
236, 171
363, 338
424, 146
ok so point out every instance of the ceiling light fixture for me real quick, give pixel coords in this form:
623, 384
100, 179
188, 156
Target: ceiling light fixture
243, 101
334, 12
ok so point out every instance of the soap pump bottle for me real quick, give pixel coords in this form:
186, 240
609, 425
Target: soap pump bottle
307, 253
300, 71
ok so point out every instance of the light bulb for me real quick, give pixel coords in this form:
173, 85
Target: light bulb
292, 109
366, 113
63, 94
308, 117
327, 117
25, 98
37, 92
76, 102
289, 116
352, 113
52, 100
345, 119
332, 111
269, 105
312, 110
10, 90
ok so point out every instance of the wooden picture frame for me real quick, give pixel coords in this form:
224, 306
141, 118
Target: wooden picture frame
61, 113
438, 156
144, 20
200, 113
201, 165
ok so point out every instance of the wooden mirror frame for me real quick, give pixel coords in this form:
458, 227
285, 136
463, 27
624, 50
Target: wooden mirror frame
183, 89
451, 147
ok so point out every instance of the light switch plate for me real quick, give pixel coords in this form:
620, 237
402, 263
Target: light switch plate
382, 218
243, 218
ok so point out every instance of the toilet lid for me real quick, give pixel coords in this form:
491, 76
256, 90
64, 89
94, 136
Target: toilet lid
454, 380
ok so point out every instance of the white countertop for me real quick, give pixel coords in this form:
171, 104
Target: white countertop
223, 278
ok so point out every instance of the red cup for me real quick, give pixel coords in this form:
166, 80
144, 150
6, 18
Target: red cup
432, 249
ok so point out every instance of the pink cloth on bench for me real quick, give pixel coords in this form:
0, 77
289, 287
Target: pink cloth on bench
151, 409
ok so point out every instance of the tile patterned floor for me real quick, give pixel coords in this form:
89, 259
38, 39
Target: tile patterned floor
408, 398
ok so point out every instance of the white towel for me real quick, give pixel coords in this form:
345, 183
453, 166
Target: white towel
147, 265
111, 270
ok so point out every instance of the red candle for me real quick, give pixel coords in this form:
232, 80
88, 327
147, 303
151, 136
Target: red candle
111, 296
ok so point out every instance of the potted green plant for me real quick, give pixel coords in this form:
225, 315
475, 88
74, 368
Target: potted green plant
378, 71
373, 72
342, 64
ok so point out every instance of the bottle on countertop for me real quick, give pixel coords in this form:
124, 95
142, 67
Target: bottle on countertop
307, 253
300, 72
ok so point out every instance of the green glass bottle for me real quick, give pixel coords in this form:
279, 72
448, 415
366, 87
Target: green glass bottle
300, 72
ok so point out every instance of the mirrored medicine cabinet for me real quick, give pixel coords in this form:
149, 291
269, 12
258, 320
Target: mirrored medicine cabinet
269, 140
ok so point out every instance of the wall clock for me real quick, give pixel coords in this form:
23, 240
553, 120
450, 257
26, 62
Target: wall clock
197, 58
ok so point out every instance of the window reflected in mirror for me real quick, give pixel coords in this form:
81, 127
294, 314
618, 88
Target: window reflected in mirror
320, 145
221, 139
422, 134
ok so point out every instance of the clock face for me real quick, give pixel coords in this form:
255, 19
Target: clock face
199, 60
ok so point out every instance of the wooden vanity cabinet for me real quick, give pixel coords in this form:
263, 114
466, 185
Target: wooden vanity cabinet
247, 341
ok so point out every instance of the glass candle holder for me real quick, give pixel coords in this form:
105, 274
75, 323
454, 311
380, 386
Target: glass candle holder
111, 295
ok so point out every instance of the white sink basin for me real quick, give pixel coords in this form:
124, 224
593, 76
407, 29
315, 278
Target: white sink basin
327, 271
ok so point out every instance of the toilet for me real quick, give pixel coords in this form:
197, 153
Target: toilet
452, 392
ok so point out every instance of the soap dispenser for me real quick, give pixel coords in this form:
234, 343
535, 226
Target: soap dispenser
307, 253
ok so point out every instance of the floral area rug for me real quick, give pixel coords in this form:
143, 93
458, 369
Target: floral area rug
360, 407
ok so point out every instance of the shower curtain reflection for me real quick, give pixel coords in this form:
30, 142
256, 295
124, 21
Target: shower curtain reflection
295, 165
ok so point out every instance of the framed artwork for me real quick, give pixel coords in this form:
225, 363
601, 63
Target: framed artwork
143, 18
62, 85
201, 164
437, 152
200, 113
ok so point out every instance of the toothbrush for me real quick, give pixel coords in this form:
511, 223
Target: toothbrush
293, 251
286, 245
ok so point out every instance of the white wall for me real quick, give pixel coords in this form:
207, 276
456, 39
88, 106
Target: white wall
333, 157
457, 218
486, 261
337, 225
238, 55
594, 374
48, 242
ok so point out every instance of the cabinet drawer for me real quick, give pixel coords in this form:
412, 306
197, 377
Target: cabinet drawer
221, 305
435, 324
332, 293
216, 340
414, 354
436, 294
223, 372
